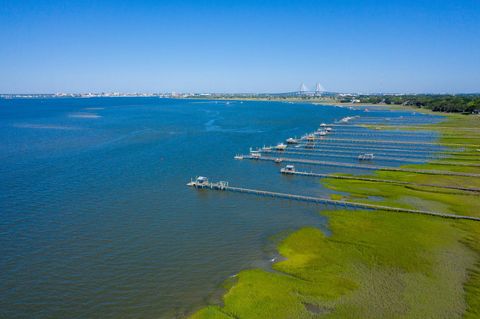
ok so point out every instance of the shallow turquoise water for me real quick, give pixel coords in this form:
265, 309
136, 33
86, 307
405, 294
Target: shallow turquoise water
96, 220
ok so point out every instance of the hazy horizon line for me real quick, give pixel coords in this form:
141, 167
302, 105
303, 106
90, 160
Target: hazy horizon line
235, 93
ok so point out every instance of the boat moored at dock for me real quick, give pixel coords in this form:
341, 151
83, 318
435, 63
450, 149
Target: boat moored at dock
289, 169
255, 154
366, 156
347, 119
200, 181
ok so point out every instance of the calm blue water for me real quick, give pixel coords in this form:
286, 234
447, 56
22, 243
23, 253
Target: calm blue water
96, 219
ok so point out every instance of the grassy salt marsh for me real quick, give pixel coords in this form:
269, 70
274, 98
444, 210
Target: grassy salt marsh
376, 264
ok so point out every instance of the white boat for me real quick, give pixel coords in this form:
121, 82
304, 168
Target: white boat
281, 147
348, 118
255, 154
323, 125
289, 169
278, 160
366, 157
321, 133
291, 140
238, 157
310, 137
200, 181
328, 129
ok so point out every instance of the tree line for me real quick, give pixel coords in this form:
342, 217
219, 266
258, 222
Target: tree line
436, 103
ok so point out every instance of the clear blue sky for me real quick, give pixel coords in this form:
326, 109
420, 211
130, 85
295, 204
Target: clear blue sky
239, 46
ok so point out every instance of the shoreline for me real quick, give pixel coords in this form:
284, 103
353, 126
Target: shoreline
340, 286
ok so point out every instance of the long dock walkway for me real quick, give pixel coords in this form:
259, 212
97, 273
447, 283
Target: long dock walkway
326, 201
382, 158
354, 152
387, 134
411, 127
315, 146
367, 141
369, 167
378, 180
319, 147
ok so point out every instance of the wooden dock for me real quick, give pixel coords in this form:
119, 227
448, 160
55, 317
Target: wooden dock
408, 152
325, 201
376, 134
377, 180
393, 142
383, 148
381, 158
368, 167
407, 127
354, 152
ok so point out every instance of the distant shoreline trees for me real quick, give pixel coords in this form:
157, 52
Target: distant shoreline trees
436, 103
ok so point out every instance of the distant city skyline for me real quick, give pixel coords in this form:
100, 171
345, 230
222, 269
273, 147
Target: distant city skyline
239, 47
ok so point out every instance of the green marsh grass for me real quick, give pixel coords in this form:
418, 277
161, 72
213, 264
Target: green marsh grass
375, 264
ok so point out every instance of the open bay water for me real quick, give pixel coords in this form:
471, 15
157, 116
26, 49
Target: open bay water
96, 219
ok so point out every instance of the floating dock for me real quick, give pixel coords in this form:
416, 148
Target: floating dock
223, 186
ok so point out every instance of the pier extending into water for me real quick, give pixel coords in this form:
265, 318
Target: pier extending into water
317, 144
378, 180
369, 167
420, 128
413, 151
355, 152
381, 158
224, 186
394, 142
394, 134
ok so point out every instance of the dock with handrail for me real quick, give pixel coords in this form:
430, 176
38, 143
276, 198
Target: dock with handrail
378, 180
223, 186
393, 142
394, 134
315, 146
331, 142
412, 152
383, 158
421, 128
367, 167
320, 151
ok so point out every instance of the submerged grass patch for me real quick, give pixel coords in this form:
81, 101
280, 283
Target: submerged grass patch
375, 264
